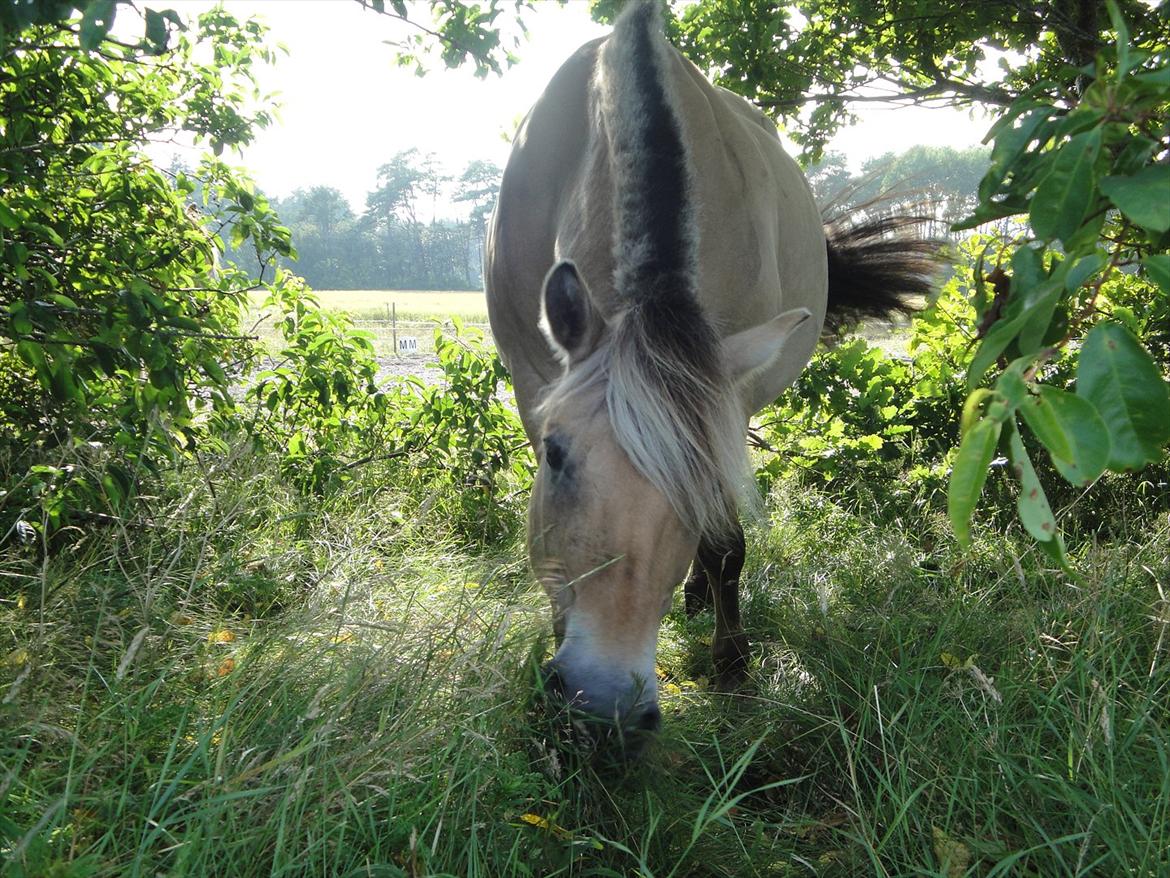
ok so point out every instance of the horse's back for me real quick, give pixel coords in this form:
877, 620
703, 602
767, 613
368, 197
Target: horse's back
761, 246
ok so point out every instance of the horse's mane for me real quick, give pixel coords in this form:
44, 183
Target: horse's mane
670, 402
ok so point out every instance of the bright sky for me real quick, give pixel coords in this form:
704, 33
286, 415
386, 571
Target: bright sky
347, 108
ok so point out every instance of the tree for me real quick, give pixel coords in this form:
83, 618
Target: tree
115, 317
830, 178
323, 207
940, 182
460, 32
392, 212
330, 244
809, 62
479, 184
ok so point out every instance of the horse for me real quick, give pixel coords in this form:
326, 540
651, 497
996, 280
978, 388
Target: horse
656, 272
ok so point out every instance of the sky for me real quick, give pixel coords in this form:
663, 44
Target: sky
347, 108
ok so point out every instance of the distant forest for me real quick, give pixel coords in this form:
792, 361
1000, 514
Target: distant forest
388, 246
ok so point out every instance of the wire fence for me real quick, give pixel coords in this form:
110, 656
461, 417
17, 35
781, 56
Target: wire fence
397, 337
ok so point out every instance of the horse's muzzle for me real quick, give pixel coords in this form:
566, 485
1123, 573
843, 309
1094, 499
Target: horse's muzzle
630, 728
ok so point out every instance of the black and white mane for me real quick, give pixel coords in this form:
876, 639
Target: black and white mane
672, 407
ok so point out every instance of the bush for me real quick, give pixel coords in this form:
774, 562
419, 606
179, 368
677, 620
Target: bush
114, 320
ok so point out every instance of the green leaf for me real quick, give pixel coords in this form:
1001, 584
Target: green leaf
1064, 195
1124, 64
156, 30
1118, 376
1012, 141
973, 408
1155, 77
969, 474
96, 22
1084, 269
1039, 318
1011, 386
1054, 549
1158, 269
1032, 504
1143, 197
1033, 299
8, 218
1071, 430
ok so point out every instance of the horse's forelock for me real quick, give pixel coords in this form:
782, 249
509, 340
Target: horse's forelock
677, 419
675, 416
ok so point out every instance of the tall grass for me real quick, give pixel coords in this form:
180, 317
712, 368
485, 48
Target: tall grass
246, 683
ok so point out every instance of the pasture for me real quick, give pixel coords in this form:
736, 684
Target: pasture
265, 605
244, 680
411, 305
240, 682
416, 314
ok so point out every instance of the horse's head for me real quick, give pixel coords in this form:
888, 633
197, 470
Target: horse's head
609, 550
635, 463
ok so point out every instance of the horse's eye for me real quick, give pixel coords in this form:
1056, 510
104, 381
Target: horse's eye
554, 453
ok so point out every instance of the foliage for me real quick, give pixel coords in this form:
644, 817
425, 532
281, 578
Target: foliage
113, 313
408, 253
123, 344
389, 245
459, 33
318, 402
861, 414
342, 677
811, 61
844, 417
1079, 149
474, 440
865, 424
1092, 181
321, 406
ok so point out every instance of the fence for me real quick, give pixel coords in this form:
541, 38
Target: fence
394, 336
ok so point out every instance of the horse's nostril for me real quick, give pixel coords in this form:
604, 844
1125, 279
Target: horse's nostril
649, 720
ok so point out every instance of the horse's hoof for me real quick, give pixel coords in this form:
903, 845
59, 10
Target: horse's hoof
730, 655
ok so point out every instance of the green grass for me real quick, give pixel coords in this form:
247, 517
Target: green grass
471, 307
245, 683
418, 314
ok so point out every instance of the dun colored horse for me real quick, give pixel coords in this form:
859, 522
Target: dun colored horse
657, 271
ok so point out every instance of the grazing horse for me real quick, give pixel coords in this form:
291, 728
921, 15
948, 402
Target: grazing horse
656, 272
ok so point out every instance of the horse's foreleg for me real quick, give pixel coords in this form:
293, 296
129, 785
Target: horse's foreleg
722, 563
697, 595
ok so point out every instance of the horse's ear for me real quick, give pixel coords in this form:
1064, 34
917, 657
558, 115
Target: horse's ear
749, 354
569, 319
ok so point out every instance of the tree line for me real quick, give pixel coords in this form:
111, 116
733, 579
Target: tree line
396, 241
939, 182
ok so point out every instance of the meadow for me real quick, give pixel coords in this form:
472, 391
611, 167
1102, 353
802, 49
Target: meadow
271, 615
241, 679
416, 305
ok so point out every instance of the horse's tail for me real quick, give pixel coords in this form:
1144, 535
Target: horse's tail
876, 266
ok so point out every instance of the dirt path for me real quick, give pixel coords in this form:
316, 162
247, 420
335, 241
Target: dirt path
423, 366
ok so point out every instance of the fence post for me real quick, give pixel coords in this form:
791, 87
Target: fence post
394, 325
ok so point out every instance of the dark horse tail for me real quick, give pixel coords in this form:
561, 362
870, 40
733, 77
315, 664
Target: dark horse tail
876, 265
